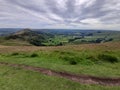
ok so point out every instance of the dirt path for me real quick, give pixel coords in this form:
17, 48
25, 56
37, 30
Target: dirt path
84, 79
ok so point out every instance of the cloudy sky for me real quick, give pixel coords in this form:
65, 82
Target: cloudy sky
82, 14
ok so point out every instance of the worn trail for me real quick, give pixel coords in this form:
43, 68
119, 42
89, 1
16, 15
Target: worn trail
84, 79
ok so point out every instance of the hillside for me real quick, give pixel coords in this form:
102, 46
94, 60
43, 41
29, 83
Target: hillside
54, 37
61, 68
25, 37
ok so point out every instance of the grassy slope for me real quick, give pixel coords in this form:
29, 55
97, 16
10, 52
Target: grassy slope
59, 58
18, 79
52, 57
14, 43
24, 37
48, 60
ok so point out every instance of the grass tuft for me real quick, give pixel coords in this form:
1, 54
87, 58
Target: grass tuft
15, 54
73, 62
108, 58
34, 55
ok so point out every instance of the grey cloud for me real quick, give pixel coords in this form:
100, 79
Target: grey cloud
65, 12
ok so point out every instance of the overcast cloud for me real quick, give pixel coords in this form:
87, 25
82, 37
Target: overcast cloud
82, 14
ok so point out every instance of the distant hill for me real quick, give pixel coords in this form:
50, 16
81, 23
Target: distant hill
56, 37
28, 36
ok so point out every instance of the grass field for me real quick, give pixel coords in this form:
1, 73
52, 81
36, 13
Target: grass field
18, 79
101, 60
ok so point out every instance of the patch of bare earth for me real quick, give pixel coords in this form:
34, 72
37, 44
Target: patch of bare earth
84, 79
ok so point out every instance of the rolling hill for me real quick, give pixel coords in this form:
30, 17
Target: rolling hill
25, 37
54, 37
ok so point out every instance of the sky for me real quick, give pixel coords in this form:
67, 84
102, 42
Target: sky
60, 14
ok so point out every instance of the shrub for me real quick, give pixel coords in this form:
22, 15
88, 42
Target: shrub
99, 40
14, 54
59, 44
36, 41
93, 59
108, 58
72, 60
34, 55
108, 40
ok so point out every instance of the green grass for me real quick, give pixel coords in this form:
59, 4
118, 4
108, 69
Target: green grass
84, 62
13, 42
19, 79
96, 62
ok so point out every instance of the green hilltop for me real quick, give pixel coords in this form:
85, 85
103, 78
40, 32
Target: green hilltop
26, 37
